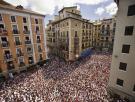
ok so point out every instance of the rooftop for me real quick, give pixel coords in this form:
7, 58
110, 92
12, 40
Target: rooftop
67, 8
19, 8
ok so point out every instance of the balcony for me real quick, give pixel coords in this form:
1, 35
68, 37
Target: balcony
18, 43
16, 32
20, 54
105, 32
22, 64
26, 32
8, 57
39, 50
30, 61
38, 41
10, 67
28, 42
30, 51
5, 44
37, 32
3, 32
40, 58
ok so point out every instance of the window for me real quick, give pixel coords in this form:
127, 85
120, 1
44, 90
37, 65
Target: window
30, 59
123, 66
25, 28
24, 20
0, 17
134, 88
129, 30
13, 19
36, 21
17, 39
114, 24
125, 48
120, 82
3, 39
106, 38
21, 60
53, 40
27, 38
1, 26
67, 23
38, 38
29, 49
14, 27
37, 28
131, 10
40, 57
39, 48
76, 34
67, 34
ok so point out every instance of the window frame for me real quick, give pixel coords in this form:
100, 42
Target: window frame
124, 51
118, 79
25, 18
131, 8
127, 33
120, 66
36, 22
11, 18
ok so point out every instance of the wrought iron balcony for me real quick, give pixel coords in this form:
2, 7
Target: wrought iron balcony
18, 43
41, 58
3, 32
20, 54
5, 44
28, 42
30, 61
39, 50
38, 41
8, 57
10, 67
22, 64
16, 31
37, 32
26, 32
30, 51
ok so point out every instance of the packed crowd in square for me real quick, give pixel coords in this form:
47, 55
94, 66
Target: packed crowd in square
59, 81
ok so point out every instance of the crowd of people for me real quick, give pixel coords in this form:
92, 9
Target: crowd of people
59, 81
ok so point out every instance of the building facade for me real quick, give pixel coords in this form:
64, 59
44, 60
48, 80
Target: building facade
122, 75
107, 33
69, 34
96, 33
22, 38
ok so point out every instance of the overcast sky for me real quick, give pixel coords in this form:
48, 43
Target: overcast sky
90, 9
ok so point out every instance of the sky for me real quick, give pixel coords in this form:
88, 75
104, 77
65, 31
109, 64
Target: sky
90, 9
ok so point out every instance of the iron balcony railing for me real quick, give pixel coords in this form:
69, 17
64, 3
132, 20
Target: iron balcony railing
28, 42
8, 57
18, 43
16, 32
26, 32
20, 54
5, 44
3, 31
